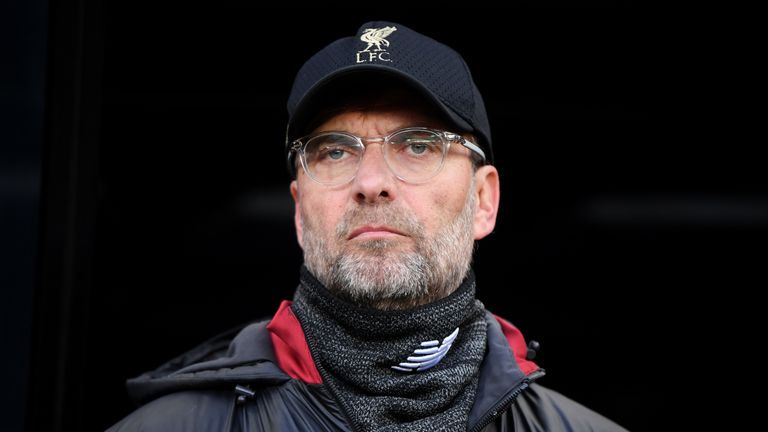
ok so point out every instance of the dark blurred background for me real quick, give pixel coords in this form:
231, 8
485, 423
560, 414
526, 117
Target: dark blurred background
144, 204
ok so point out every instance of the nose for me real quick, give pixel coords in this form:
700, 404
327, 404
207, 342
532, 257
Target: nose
374, 180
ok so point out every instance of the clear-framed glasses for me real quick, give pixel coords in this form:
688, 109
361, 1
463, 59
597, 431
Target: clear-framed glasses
414, 154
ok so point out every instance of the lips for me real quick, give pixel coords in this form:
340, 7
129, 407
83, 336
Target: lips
370, 230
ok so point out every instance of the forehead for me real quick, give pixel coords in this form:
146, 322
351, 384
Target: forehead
380, 120
396, 104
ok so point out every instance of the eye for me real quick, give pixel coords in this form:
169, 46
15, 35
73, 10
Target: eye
417, 144
331, 148
418, 148
335, 153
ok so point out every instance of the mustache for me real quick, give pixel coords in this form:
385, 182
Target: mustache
379, 214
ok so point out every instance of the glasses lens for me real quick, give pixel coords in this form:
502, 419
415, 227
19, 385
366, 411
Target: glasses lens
415, 155
332, 158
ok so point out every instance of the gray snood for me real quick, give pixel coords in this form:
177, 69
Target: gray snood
404, 370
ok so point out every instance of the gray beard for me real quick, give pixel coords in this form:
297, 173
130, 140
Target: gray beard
379, 273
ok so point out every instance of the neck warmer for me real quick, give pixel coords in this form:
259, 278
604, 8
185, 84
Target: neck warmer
414, 370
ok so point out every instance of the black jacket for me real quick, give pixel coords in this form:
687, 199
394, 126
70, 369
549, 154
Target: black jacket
262, 381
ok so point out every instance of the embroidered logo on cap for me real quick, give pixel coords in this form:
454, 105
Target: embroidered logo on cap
430, 353
373, 36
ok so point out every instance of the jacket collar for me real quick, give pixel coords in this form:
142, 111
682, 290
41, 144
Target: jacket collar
222, 361
504, 368
275, 351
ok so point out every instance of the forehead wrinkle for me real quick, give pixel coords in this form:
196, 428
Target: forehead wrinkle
379, 121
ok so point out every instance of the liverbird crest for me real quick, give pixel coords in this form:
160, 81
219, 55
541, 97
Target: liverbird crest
373, 36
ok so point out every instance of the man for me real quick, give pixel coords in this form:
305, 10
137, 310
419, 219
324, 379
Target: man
390, 146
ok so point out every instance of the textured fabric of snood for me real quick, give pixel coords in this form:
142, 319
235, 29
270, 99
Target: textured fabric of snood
355, 349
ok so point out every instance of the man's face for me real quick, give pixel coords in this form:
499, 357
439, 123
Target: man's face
381, 242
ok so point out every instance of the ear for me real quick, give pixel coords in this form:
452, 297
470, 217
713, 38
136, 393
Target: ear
487, 207
297, 213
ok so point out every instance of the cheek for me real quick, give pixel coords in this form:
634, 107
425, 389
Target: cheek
322, 214
452, 199
450, 194
438, 208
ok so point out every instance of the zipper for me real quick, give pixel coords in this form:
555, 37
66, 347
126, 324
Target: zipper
242, 395
332, 391
326, 382
502, 406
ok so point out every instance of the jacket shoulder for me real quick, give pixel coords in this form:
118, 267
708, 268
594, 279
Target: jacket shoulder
180, 411
290, 406
542, 409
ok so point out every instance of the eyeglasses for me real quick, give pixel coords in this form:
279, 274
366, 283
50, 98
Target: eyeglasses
413, 154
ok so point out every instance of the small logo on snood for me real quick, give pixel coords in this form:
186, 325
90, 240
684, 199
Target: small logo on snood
427, 355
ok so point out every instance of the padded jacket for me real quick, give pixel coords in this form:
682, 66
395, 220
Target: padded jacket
262, 378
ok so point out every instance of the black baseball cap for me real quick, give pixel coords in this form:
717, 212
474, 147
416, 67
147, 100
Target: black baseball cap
382, 49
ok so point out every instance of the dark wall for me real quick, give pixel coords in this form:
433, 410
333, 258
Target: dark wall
615, 215
23, 29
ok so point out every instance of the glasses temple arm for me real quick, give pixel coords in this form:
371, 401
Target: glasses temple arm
470, 145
